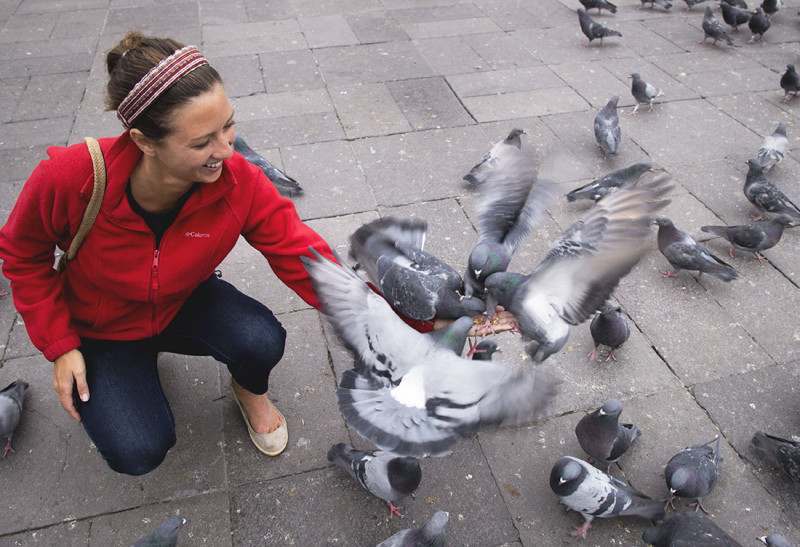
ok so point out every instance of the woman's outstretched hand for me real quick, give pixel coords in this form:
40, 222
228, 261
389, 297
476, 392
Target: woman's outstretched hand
70, 370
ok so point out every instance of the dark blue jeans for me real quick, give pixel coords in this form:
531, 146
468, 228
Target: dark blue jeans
128, 416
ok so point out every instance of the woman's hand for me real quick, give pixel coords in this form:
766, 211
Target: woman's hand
70, 370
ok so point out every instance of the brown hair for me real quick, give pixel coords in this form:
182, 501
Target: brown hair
131, 59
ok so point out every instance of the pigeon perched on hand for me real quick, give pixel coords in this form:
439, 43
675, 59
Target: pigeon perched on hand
602, 186
479, 173
758, 25
599, 4
790, 83
663, 3
643, 92
688, 530
601, 435
766, 197
755, 237
384, 475
606, 127
684, 253
593, 30
407, 394
282, 181
691, 3
582, 268
773, 148
713, 29
592, 493
609, 328
775, 540
783, 453
431, 535
733, 16
11, 399
165, 535
693, 472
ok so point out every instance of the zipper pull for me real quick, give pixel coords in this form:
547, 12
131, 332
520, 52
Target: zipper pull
155, 270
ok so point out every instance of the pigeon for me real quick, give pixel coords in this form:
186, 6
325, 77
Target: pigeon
760, 191
684, 253
384, 475
733, 16
691, 3
693, 472
781, 452
601, 435
643, 92
592, 29
755, 237
713, 29
758, 24
663, 3
790, 83
454, 335
609, 328
430, 535
165, 535
281, 180
606, 127
599, 4
771, 7
11, 398
736, 3
484, 350
775, 540
592, 493
773, 148
688, 530
478, 174
406, 394
602, 186
417, 284
582, 268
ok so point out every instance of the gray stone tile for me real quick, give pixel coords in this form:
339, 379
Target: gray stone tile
337, 230
368, 110
500, 51
371, 63
249, 38
424, 12
11, 90
327, 31
290, 70
317, 8
51, 131
178, 20
725, 81
450, 55
56, 64
718, 185
440, 29
53, 95
258, 11
78, 22
429, 103
674, 88
523, 104
566, 45
8, 197
28, 27
758, 115
73, 533
504, 81
293, 130
513, 15
43, 6
241, 75
281, 105
216, 13
593, 82
48, 48
375, 26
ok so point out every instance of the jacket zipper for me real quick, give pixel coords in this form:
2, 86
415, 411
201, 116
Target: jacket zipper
154, 288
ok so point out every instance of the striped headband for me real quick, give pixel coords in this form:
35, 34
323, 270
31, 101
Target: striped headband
157, 81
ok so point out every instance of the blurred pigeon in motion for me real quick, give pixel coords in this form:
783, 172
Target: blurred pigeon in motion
663, 3
282, 181
735, 3
582, 268
771, 7
599, 4
693, 472
433, 534
790, 83
643, 92
775, 540
407, 394
758, 25
484, 350
454, 335
592, 29
478, 174
384, 475
713, 29
773, 148
684, 253
606, 127
601, 435
691, 3
165, 535
782, 453
688, 530
11, 399
766, 197
602, 186
609, 328
592, 493
419, 285
755, 237
733, 16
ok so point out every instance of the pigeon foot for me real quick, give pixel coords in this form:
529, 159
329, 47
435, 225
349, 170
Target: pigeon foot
8, 449
394, 510
668, 274
581, 531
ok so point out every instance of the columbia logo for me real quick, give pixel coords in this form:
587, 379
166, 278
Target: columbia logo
197, 234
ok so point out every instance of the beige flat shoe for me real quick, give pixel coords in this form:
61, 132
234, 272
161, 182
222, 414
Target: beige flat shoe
270, 444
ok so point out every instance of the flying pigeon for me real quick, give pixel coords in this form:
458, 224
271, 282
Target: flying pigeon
417, 284
760, 191
606, 127
693, 472
384, 475
643, 92
601, 435
758, 25
582, 268
684, 253
734, 16
688, 530
282, 181
407, 394
663, 3
691, 3
165, 535
790, 83
771, 7
773, 148
713, 29
736, 3
609, 328
431, 535
592, 493
479, 173
599, 4
592, 29
602, 186
775, 540
11, 398
781, 452
755, 237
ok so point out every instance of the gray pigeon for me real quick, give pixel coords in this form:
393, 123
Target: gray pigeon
454, 335
479, 173
790, 83
606, 127
602, 186
771, 7
688, 530
165, 535
609, 328
760, 191
684, 253
758, 25
736, 3
281, 180
734, 16
643, 92
775, 540
433, 534
407, 394
773, 148
592, 493
781, 452
582, 268
592, 29
693, 472
11, 399
484, 350
691, 3
601, 435
712, 28
663, 3
384, 475
599, 4
755, 237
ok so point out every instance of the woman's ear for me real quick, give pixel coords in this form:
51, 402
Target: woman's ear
145, 145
